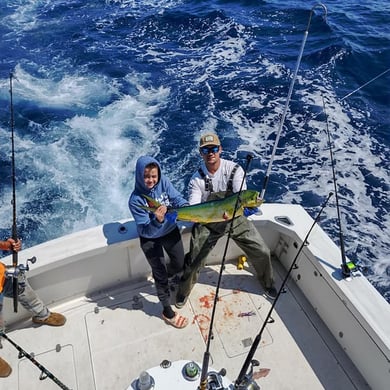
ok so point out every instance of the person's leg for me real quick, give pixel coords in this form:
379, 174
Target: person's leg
27, 297
173, 245
246, 236
192, 263
154, 254
203, 240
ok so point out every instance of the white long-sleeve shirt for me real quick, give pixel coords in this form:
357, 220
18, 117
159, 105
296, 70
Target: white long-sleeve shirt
220, 179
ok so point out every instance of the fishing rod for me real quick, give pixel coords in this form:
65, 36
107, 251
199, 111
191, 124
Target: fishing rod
14, 233
206, 356
267, 175
45, 373
346, 267
244, 381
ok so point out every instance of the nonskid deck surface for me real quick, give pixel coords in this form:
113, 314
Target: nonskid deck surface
109, 338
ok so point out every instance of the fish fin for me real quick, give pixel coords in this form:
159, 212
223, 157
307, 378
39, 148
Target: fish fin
148, 209
153, 204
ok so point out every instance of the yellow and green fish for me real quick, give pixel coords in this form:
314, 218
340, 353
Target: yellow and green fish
218, 210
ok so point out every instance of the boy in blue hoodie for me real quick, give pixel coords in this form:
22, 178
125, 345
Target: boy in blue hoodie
156, 233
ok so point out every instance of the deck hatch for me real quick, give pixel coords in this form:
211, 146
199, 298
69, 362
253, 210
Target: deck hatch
236, 315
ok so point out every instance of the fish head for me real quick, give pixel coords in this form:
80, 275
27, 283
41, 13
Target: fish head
250, 198
151, 202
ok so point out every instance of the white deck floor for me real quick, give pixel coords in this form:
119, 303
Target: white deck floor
109, 338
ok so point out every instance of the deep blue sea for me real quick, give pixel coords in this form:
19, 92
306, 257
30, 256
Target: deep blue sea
99, 83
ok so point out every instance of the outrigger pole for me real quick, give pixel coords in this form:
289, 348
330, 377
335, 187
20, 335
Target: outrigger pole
245, 380
267, 175
14, 234
346, 267
206, 355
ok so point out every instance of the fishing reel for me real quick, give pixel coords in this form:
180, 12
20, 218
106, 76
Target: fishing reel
248, 383
214, 380
15, 272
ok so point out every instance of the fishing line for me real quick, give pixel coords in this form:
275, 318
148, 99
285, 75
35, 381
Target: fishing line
365, 84
350, 93
206, 356
45, 373
345, 267
244, 380
266, 178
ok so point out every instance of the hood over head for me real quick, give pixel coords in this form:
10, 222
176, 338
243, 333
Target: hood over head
142, 162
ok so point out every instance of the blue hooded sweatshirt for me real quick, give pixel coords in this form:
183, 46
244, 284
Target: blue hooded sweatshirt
163, 192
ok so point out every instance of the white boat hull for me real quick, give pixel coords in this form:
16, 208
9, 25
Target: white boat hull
329, 332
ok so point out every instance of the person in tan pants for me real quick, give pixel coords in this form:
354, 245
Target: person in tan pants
27, 298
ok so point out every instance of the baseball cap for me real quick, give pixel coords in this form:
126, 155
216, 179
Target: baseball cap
209, 139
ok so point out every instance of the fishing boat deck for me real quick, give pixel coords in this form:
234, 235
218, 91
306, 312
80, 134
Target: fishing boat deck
110, 335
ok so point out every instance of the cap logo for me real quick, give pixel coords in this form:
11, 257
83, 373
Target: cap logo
208, 138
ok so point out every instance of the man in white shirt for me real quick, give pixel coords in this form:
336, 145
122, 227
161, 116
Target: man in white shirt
217, 178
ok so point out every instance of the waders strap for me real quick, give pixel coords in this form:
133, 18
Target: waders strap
209, 184
230, 182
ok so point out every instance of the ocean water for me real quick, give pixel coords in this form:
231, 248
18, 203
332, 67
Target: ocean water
99, 83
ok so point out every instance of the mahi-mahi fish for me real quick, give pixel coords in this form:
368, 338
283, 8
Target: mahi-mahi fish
218, 210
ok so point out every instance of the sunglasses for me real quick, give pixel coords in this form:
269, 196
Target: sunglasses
207, 150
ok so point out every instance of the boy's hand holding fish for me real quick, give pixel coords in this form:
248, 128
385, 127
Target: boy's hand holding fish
160, 213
